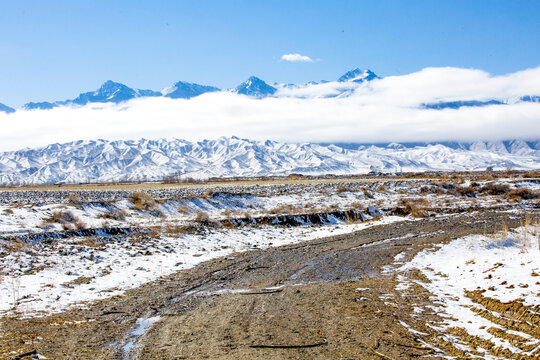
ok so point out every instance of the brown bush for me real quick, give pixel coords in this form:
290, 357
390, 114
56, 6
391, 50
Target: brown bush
184, 209
414, 207
204, 219
465, 191
523, 194
66, 219
495, 189
285, 210
119, 215
142, 201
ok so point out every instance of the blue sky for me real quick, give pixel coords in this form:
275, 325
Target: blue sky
53, 50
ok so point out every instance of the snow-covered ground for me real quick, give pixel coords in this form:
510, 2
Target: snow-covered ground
506, 266
72, 272
43, 271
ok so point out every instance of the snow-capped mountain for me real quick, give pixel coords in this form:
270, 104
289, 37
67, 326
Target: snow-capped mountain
255, 87
350, 83
109, 91
102, 160
358, 75
6, 109
185, 90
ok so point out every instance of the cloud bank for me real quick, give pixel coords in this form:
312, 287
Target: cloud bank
296, 58
383, 110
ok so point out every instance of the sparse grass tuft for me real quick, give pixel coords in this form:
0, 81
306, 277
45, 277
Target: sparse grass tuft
66, 219
522, 193
183, 209
142, 201
204, 219
495, 189
118, 215
414, 207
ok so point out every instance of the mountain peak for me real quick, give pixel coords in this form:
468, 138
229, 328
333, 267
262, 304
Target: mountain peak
6, 109
255, 87
185, 90
358, 75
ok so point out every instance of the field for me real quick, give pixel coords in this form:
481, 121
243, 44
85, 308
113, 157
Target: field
435, 265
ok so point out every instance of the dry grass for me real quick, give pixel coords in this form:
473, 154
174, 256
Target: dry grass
66, 219
367, 193
183, 209
343, 188
495, 189
118, 215
16, 246
174, 230
90, 242
522, 194
204, 219
142, 201
285, 210
415, 207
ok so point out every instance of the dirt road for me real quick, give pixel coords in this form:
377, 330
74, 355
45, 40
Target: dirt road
331, 298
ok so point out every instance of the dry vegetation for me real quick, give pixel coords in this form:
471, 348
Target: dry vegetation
115, 214
418, 207
142, 201
66, 219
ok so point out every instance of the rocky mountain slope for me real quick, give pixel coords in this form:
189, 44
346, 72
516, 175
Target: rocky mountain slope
103, 160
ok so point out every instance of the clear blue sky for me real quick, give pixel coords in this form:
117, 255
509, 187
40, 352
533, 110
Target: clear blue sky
55, 49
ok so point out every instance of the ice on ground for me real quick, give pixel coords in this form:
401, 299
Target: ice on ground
142, 325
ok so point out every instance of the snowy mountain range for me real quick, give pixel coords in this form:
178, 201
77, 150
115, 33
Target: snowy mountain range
113, 92
103, 160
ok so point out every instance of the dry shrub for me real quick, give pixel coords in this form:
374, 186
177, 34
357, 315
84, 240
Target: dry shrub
522, 193
343, 188
495, 189
202, 216
118, 215
142, 201
15, 246
66, 219
89, 242
75, 201
74, 198
367, 193
174, 230
8, 211
184, 209
469, 191
226, 213
204, 219
285, 210
414, 207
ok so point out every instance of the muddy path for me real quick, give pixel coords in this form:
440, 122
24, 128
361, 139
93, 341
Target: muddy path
328, 298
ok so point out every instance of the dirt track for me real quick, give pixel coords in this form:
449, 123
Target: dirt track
225, 309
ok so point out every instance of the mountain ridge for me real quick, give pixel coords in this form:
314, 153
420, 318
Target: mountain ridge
344, 86
106, 160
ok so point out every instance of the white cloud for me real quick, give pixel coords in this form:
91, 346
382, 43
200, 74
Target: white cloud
296, 58
380, 111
